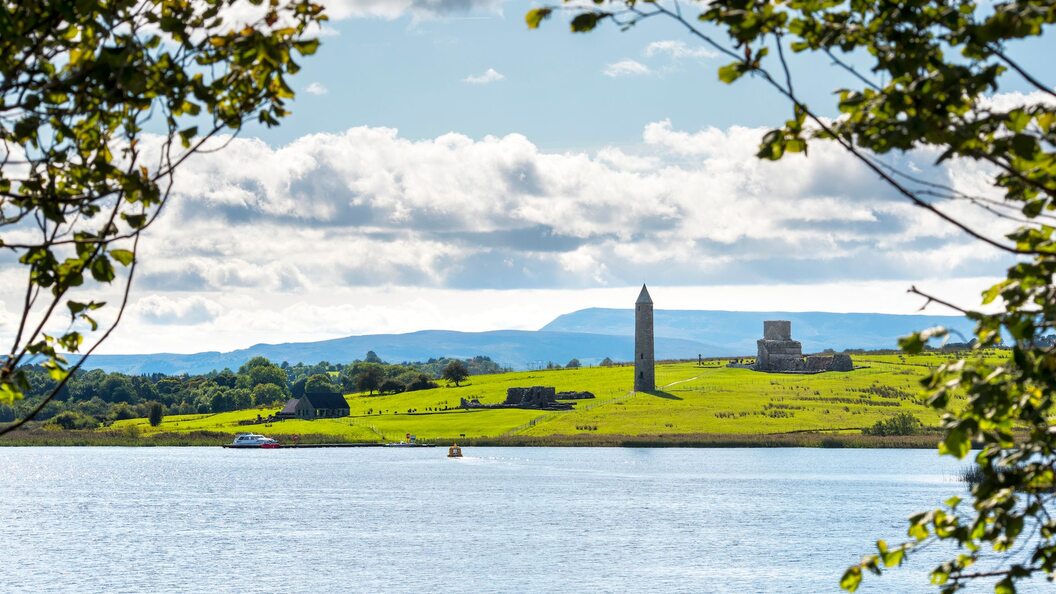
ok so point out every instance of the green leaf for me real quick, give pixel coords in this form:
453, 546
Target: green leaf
894, 558
135, 220
731, 72
307, 47
993, 292
956, 443
1024, 146
912, 344
851, 579
535, 16
586, 22
8, 394
76, 307
1033, 208
125, 257
1018, 120
187, 134
101, 268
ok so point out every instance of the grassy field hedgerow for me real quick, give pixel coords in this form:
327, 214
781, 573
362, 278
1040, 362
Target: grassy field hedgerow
691, 400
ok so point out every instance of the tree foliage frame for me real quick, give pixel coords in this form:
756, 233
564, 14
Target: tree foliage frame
100, 103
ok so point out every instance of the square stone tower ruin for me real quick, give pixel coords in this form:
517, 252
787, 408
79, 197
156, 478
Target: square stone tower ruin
777, 350
644, 374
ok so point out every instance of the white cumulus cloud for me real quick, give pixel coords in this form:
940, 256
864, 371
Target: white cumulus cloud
677, 50
182, 311
316, 89
368, 207
490, 75
626, 68
416, 9
257, 235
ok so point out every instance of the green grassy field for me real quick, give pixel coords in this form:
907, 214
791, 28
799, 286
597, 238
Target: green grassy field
691, 400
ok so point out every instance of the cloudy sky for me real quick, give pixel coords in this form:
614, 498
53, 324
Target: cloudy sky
446, 168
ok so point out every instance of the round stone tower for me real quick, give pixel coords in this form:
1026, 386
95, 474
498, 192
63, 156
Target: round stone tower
644, 375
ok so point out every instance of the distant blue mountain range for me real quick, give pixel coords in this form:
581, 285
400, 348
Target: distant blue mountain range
589, 335
736, 331
519, 349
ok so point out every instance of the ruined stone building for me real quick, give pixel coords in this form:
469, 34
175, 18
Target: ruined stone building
644, 363
534, 397
778, 353
776, 349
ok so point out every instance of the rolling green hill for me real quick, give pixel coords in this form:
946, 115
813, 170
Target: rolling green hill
691, 401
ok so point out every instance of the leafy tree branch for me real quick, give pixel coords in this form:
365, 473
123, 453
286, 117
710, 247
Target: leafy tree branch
100, 104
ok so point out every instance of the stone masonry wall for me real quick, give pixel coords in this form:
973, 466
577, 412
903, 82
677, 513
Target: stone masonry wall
777, 330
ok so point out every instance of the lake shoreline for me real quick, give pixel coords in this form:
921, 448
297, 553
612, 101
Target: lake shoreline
807, 439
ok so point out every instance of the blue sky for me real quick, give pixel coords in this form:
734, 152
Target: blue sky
445, 167
409, 73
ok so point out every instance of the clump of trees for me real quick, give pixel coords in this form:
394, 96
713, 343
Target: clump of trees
903, 423
94, 398
74, 420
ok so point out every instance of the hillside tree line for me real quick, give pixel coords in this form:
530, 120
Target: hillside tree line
93, 398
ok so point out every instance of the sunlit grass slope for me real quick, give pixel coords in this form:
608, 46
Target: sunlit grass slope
712, 399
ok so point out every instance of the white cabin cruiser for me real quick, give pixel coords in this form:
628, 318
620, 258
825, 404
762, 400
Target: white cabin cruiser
253, 440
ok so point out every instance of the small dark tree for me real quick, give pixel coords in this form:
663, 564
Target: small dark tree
226, 378
390, 386
372, 357
901, 424
420, 382
455, 372
297, 389
257, 361
156, 414
267, 394
573, 364
369, 377
606, 362
320, 384
120, 412
74, 420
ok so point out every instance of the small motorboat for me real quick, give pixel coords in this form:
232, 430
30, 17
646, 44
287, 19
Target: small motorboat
454, 451
253, 440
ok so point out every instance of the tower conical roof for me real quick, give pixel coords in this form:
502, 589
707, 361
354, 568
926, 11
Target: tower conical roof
644, 297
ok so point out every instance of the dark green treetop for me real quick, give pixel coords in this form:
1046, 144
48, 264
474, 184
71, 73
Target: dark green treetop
455, 371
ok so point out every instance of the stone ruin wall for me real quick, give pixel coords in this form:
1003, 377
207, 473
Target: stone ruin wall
776, 350
777, 330
534, 397
778, 353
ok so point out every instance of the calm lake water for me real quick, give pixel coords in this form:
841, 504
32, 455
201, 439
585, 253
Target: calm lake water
499, 520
